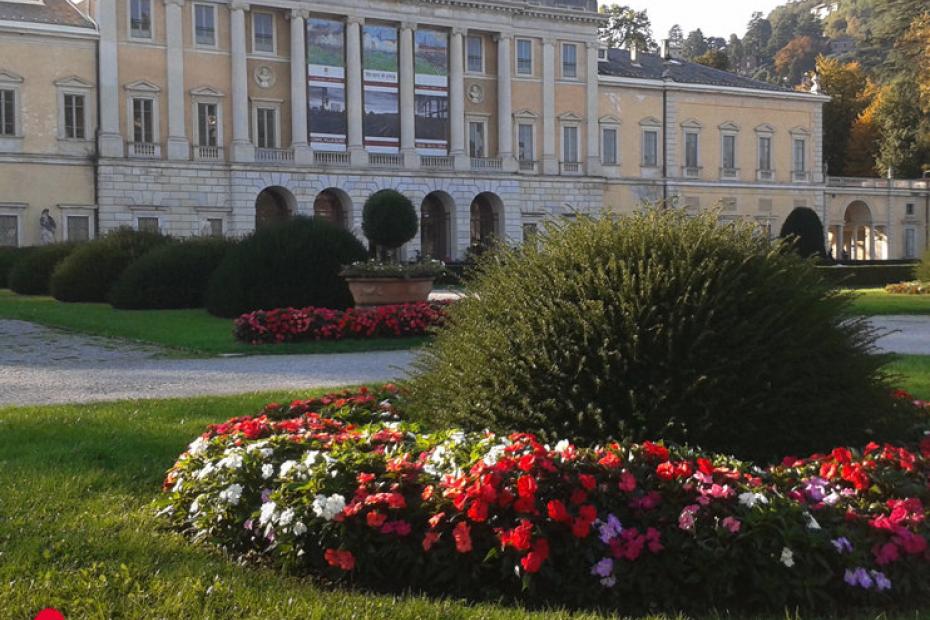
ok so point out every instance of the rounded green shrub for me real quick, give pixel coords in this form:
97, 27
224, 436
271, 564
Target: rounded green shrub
8, 258
174, 275
803, 230
658, 326
31, 273
389, 219
294, 263
89, 272
922, 272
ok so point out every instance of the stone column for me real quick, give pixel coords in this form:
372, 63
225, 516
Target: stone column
457, 100
354, 90
550, 162
505, 102
408, 147
299, 135
178, 146
242, 149
871, 253
839, 243
110, 139
593, 165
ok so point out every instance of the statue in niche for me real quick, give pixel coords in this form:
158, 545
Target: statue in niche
47, 228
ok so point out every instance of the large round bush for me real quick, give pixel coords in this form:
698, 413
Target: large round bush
293, 263
89, 272
172, 276
804, 231
31, 273
389, 219
658, 326
8, 258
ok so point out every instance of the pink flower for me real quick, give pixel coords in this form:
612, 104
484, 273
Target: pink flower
732, 524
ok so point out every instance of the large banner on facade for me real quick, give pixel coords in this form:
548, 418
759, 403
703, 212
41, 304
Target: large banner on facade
380, 89
431, 79
326, 78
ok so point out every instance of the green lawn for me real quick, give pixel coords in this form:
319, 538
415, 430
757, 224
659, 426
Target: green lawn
191, 332
77, 530
875, 302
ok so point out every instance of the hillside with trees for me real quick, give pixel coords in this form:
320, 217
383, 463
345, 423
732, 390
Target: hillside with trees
871, 56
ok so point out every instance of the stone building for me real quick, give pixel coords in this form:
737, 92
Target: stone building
492, 116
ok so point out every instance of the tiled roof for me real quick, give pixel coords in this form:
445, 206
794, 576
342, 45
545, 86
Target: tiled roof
651, 67
54, 12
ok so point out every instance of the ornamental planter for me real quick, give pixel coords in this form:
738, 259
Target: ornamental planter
370, 291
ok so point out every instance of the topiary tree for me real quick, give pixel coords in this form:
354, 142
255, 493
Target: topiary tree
172, 276
88, 273
805, 232
389, 219
31, 273
658, 326
295, 263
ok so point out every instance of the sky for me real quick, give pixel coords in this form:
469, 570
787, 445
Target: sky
718, 18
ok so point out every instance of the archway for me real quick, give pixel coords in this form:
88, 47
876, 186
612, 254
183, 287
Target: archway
856, 238
436, 215
333, 205
486, 211
273, 205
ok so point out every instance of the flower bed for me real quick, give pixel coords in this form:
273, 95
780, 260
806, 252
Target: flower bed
341, 487
909, 288
294, 324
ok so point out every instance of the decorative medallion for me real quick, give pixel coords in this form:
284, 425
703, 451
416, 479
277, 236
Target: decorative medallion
264, 76
475, 93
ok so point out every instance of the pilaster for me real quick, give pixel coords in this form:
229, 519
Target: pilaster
408, 148
550, 162
242, 149
299, 111
357, 153
110, 139
457, 100
178, 146
505, 102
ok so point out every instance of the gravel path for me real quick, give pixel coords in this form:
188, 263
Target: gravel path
905, 334
41, 365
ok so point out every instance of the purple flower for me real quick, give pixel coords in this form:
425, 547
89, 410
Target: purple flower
882, 582
610, 529
842, 545
604, 568
858, 577
266, 493
816, 489
248, 524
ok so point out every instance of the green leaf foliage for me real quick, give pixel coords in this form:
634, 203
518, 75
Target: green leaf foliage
31, 274
9, 256
803, 230
389, 219
652, 326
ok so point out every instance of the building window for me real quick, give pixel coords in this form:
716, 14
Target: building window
609, 146
266, 128
143, 120
569, 60
530, 232
570, 144
691, 150
207, 128
215, 226
7, 112
205, 24
650, 148
9, 230
910, 243
475, 54
74, 117
729, 152
263, 33
140, 19
526, 151
524, 57
909, 209
800, 155
476, 139
147, 224
77, 228
765, 153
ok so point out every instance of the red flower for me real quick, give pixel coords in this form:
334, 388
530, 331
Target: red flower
526, 462
578, 497
665, 471
340, 559
526, 486
462, 535
557, 511
581, 527
429, 540
705, 466
587, 481
375, 518
478, 511
610, 460
436, 519
588, 512
533, 560
519, 537
655, 452
627, 482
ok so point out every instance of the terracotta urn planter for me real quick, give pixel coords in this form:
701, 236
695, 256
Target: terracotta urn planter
371, 291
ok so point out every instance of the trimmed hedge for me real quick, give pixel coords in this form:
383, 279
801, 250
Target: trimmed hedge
295, 263
31, 273
8, 258
867, 276
89, 272
172, 276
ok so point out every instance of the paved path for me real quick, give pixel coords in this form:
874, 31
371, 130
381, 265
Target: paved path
41, 365
905, 334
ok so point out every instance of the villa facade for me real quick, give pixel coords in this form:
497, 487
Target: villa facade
202, 117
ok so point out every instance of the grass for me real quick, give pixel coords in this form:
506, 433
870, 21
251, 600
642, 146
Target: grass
192, 332
877, 302
78, 533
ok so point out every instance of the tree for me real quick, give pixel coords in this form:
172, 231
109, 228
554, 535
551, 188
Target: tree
695, 45
714, 58
915, 46
902, 150
735, 53
676, 38
862, 150
784, 27
756, 41
850, 93
627, 28
794, 60
715, 44
804, 228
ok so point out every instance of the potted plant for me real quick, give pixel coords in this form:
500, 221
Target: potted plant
389, 220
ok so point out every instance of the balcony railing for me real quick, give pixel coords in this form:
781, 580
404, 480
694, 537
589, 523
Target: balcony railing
765, 175
919, 184
147, 150
207, 153
729, 173
800, 176
691, 172
570, 167
437, 162
385, 160
273, 156
527, 165
332, 158
486, 163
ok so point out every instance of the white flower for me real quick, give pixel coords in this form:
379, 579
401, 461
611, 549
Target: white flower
457, 437
832, 498
232, 460
750, 499
258, 445
787, 557
493, 454
811, 521
198, 446
205, 471
328, 507
286, 468
310, 458
285, 518
562, 446
299, 528
267, 471
231, 494
267, 513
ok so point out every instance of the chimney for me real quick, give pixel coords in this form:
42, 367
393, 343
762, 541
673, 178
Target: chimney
634, 53
665, 49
